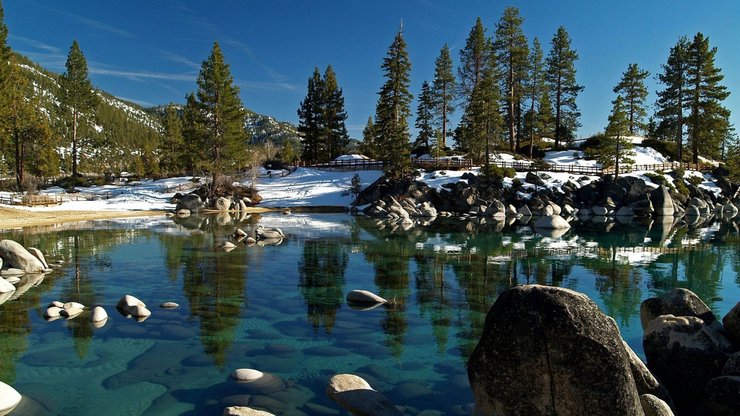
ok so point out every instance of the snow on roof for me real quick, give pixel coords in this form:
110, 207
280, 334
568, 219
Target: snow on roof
353, 156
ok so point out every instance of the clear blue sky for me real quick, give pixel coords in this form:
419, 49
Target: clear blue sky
149, 52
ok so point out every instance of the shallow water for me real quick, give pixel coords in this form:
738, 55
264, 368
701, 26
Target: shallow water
281, 309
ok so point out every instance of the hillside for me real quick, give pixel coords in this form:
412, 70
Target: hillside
124, 136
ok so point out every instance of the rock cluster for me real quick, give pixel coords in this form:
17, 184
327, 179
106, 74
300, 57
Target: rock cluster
578, 198
20, 269
131, 306
691, 351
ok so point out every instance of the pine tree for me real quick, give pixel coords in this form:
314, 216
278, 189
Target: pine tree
171, 146
672, 99
194, 136
369, 144
540, 110
474, 58
632, 88
77, 96
223, 114
708, 121
512, 53
615, 149
425, 118
393, 110
481, 123
310, 116
443, 93
335, 134
561, 78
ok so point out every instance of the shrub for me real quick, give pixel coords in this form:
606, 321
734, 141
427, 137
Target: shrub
696, 180
679, 172
656, 178
355, 184
681, 187
495, 171
667, 148
516, 183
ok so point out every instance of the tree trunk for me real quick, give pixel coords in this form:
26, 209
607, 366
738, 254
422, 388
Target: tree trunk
74, 146
557, 113
510, 106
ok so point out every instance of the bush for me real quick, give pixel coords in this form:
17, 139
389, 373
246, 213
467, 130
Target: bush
657, 179
696, 180
355, 184
679, 172
495, 171
681, 187
516, 183
666, 148
593, 142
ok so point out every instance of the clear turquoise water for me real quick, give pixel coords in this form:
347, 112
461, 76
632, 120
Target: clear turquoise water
281, 309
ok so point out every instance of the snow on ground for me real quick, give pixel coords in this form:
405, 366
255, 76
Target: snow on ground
312, 187
438, 178
569, 157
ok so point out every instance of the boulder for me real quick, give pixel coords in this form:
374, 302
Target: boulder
39, 255
269, 232
625, 212
240, 233
642, 207
355, 395
653, 406
547, 351
599, 211
256, 382
731, 322
227, 246
551, 222
190, 202
684, 353
524, 211
223, 204
17, 256
130, 305
183, 213
76, 305
9, 398
99, 314
534, 179
70, 313
52, 312
662, 201
128, 301
364, 296
677, 302
722, 396
169, 305
244, 411
5, 286
732, 366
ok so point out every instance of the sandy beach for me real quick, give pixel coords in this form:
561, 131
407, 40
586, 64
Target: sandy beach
11, 218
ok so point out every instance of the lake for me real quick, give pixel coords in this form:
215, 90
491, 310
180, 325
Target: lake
281, 309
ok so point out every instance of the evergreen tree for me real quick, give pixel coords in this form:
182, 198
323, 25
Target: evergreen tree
335, 134
369, 140
561, 78
632, 88
481, 123
708, 121
512, 53
393, 110
615, 149
77, 95
171, 146
474, 58
194, 135
540, 110
223, 114
310, 119
672, 99
425, 118
443, 93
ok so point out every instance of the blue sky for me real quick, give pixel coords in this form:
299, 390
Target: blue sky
149, 52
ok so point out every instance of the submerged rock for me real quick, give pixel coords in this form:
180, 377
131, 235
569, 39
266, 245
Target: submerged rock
169, 305
364, 297
244, 411
355, 394
549, 350
9, 398
256, 382
99, 314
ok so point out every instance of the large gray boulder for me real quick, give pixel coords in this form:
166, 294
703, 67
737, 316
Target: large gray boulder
722, 396
645, 381
731, 322
355, 395
550, 351
678, 302
662, 201
684, 353
551, 222
190, 202
18, 257
654, 406
5, 286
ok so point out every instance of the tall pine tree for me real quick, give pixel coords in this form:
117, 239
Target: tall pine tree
393, 110
369, 145
223, 114
561, 78
194, 136
708, 121
76, 95
443, 93
481, 124
512, 53
671, 102
310, 116
474, 59
615, 149
425, 118
539, 115
632, 88
335, 135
